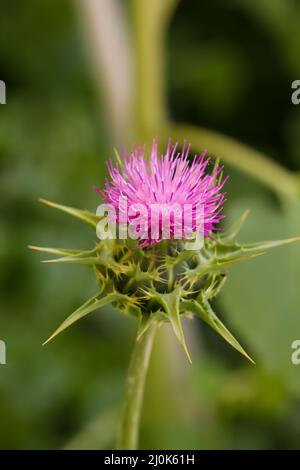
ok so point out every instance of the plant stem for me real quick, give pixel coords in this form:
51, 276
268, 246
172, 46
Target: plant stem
106, 37
149, 24
134, 390
244, 158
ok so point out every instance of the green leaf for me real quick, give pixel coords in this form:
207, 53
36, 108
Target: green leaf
236, 227
89, 306
55, 251
220, 255
203, 309
86, 257
85, 216
80, 259
228, 254
170, 303
219, 263
215, 264
266, 245
231, 252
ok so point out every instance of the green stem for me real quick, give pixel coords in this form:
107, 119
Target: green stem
134, 390
149, 23
240, 156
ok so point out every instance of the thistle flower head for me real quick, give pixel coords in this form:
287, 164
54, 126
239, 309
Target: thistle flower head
172, 180
170, 282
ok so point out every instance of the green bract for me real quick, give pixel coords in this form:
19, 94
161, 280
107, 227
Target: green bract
162, 284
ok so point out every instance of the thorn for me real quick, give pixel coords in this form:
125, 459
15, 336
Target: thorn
45, 201
51, 260
255, 255
188, 355
48, 340
33, 247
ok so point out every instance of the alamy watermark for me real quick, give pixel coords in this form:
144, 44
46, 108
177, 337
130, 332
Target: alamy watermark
296, 93
2, 92
152, 222
295, 356
2, 352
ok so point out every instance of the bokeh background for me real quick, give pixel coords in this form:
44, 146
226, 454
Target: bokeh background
83, 77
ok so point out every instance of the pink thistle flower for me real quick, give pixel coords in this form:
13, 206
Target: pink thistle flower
171, 179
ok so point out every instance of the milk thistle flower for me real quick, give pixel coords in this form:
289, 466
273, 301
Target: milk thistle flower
168, 181
160, 280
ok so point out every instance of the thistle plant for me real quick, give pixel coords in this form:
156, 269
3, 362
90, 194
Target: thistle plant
155, 278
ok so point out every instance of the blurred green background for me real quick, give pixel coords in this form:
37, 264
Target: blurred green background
229, 66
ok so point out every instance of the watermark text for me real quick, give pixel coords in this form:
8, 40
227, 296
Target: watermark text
2, 352
296, 93
2, 92
152, 222
295, 357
